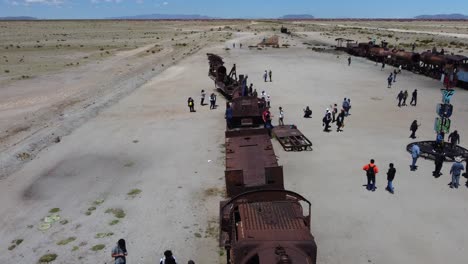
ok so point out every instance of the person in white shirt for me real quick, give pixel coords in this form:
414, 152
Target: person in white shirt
281, 116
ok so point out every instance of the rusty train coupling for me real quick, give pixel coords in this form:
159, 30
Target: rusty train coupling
260, 222
452, 68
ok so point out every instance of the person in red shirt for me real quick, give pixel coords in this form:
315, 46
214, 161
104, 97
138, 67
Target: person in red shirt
371, 170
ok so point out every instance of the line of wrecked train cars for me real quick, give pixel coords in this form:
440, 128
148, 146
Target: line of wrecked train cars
261, 222
430, 63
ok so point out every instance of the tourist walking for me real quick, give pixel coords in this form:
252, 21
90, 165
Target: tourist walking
439, 158
119, 252
265, 76
212, 101
168, 258
383, 65
394, 75
326, 121
413, 128
454, 138
202, 97
340, 121
269, 74
349, 61
414, 97
400, 98
415, 152
307, 113
281, 116
390, 177
334, 112
268, 100
390, 80
190, 104
371, 171
405, 96
456, 171
345, 105
348, 107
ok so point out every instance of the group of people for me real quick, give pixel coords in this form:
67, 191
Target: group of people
392, 77
191, 102
119, 254
266, 75
333, 116
371, 172
403, 96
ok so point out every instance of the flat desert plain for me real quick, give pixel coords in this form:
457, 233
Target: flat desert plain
97, 142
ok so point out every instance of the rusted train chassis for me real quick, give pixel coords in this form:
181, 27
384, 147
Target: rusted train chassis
261, 223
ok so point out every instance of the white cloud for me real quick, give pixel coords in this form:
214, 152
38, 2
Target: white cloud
165, 3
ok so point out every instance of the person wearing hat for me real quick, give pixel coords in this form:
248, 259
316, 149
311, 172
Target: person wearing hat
456, 170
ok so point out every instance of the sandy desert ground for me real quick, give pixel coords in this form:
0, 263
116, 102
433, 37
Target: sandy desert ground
109, 145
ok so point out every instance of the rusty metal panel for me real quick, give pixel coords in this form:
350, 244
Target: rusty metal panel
291, 139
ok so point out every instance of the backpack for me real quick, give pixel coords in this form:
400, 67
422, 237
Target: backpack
371, 171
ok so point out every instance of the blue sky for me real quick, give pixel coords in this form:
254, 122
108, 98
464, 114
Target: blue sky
230, 8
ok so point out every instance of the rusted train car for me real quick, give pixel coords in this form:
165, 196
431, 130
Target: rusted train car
428, 63
261, 223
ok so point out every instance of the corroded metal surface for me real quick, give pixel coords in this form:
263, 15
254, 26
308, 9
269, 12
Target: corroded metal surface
291, 138
251, 162
266, 226
247, 111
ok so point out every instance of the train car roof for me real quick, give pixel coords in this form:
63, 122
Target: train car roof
250, 151
274, 220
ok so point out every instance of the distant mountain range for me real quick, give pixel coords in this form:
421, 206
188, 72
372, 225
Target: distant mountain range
165, 16
443, 16
300, 16
18, 18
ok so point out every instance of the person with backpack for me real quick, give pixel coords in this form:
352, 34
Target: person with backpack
400, 98
168, 258
456, 171
413, 128
371, 170
119, 252
190, 104
390, 177
390, 80
326, 121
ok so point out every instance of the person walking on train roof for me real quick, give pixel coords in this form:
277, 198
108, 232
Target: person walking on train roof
265, 76
400, 98
390, 177
190, 104
281, 116
405, 96
228, 115
168, 258
456, 171
268, 100
202, 97
371, 171
454, 139
119, 252
270, 74
414, 97
307, 112
413, 128
340, 121
390, 80
415, 152
254, 93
